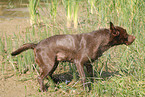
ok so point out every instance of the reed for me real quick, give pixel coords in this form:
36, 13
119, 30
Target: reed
33, 5
68, 4
92, 5
119, 72
75, 13
54, 5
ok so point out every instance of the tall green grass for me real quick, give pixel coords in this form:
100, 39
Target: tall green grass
34, 16
54, 4
75, 15
68, 4
92, 5
119, 72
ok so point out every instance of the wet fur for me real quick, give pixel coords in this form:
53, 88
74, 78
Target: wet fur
80, 49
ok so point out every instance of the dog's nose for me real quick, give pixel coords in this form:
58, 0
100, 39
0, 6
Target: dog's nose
133, 37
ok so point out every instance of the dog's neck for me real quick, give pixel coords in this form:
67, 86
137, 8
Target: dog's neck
107, 41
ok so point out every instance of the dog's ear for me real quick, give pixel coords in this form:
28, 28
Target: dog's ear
112, 26
113, 30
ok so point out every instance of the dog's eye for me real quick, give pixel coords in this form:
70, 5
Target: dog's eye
126, 39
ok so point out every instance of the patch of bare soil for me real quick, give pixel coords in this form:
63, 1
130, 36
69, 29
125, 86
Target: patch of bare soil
10, 26
17, 86
12, 85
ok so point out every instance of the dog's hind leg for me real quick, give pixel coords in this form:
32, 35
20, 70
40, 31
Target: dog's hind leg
47, 66
40, 80
45, 70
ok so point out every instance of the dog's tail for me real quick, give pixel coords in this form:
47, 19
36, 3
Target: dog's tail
24, 48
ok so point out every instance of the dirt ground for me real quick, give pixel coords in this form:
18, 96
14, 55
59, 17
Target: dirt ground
12, 85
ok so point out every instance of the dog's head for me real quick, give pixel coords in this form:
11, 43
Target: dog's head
120, 36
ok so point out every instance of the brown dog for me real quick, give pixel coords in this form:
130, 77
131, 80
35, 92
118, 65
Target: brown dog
81, 49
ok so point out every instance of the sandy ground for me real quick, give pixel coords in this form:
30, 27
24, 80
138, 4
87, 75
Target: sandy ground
14, 21
12, 85
17, 86
11, 26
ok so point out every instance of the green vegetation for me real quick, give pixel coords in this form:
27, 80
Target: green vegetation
69, 11
119, 72
33, 5
92, 5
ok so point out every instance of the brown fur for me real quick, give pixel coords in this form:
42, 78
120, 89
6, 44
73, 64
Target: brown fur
80, 49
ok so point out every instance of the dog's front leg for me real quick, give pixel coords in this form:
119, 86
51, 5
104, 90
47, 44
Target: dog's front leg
42, 86
80, 69
89, 68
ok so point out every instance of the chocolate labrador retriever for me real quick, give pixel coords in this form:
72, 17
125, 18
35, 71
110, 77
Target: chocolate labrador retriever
81, 49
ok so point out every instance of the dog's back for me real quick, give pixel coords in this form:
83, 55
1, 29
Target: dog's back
81, 49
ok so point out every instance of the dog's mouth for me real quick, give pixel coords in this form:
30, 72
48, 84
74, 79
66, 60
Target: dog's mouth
131, 38
129, 43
